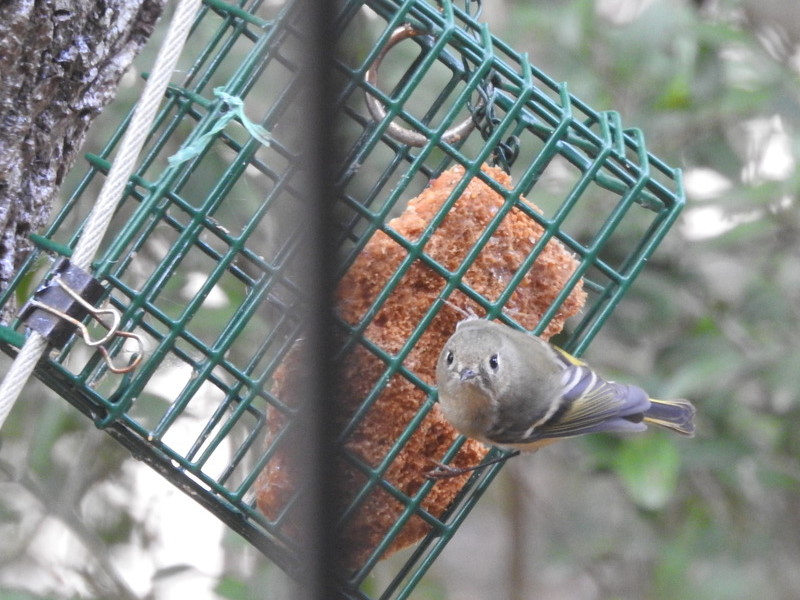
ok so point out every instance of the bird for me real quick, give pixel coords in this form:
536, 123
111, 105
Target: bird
507, 388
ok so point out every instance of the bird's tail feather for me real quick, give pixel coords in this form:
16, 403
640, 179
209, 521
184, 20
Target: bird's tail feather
677, 415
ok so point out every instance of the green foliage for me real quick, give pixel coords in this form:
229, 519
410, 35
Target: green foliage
649, 467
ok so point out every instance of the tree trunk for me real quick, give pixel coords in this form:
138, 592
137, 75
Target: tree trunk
60, 62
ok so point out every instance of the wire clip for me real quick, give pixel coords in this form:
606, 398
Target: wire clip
61, 303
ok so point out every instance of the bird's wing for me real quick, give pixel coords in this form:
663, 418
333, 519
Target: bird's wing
587, 404
592, 404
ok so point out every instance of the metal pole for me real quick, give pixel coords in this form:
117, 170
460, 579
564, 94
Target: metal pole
319, 157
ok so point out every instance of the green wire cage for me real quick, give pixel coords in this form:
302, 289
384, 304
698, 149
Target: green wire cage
203, 249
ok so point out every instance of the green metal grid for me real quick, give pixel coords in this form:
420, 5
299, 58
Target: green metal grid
187, 231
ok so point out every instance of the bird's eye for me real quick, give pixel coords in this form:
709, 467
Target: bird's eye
494, 362
449, 358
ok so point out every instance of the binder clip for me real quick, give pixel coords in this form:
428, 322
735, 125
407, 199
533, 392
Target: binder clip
63, 300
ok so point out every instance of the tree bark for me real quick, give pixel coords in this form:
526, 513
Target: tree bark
60, 62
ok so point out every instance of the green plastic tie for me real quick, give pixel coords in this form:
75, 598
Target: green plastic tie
236, 106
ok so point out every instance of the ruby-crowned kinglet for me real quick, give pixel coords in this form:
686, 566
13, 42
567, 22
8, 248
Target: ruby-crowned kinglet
506, 388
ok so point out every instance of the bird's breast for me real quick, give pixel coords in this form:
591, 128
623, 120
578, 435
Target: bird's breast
469, 410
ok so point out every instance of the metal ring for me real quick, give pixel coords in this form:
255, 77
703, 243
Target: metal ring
378, 112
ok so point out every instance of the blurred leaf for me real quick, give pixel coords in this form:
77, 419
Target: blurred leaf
675, 96
232, 589
676, 556
779, 478
172, 571
54, 421
649, 467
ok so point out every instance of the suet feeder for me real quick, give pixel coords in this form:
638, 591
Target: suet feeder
466, 181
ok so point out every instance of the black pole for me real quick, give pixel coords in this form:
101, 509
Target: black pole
319, 158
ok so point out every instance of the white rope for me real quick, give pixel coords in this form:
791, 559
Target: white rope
121, 169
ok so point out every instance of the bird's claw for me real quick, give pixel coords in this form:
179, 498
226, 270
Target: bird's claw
444, 471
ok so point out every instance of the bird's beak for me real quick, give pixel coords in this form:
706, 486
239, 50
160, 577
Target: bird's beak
468, 374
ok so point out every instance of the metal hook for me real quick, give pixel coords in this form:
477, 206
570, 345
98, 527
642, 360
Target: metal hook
378, 112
